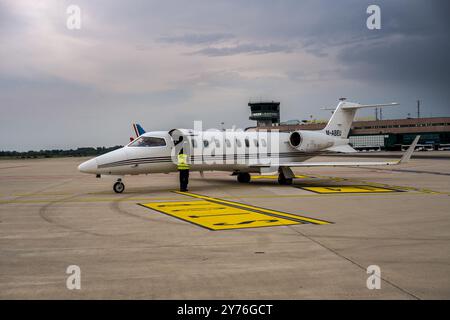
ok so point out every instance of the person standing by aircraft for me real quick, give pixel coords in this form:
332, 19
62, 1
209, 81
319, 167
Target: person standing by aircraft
183, 168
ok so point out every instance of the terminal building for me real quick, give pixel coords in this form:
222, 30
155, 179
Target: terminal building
392, 134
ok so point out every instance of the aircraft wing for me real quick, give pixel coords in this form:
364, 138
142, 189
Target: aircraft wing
336, 164
405, 158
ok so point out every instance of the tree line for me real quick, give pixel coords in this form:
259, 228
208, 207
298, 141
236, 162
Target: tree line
79, 152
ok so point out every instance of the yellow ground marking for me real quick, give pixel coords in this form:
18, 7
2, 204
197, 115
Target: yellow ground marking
276, 177
215, 216
383, 185
348, 189
274, 213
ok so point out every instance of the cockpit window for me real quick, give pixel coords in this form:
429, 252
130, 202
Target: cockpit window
148, 142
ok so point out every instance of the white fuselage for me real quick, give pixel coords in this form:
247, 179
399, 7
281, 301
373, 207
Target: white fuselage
231, 151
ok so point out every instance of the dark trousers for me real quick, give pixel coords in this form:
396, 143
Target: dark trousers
184, 179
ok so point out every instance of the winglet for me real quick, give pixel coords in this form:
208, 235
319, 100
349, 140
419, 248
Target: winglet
410, 151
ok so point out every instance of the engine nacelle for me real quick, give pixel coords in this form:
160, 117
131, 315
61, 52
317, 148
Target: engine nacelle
310, 141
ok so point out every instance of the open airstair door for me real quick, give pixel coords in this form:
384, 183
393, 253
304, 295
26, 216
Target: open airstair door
181, 139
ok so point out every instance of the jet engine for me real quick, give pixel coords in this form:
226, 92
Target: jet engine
310, 141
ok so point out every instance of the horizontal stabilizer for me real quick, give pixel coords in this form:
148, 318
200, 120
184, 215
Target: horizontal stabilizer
358, 106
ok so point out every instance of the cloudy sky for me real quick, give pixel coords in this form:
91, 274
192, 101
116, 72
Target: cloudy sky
168, 63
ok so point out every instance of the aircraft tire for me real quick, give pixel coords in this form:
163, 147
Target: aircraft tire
244, 177
284, 181
118, 187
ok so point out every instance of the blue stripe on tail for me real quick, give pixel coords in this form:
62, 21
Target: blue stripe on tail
140, 130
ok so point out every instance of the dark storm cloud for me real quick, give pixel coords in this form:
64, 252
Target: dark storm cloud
405, 59
166, 63
413, 46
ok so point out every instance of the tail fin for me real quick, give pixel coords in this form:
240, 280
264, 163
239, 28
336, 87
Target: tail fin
138, 130
343, 116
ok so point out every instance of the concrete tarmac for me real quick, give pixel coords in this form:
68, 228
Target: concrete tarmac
52, 216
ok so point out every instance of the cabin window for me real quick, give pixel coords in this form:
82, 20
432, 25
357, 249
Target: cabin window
194, 143
217, 142
238, 143
205, 143
247, 143
256, 142
263, 142
148, 142
228, 143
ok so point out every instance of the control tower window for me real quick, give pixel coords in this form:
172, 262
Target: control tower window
148, 142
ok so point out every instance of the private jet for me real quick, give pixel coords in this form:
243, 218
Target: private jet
240, 152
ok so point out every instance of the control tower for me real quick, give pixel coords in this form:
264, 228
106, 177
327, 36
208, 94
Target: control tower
266, 113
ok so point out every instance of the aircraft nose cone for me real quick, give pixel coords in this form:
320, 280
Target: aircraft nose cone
89, 166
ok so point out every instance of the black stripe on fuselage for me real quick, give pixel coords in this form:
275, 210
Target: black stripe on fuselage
205, 157
127, 161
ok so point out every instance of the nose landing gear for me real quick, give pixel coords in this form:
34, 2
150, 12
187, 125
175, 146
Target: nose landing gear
118, 187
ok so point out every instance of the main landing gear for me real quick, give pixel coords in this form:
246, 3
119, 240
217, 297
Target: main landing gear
118, 187
283, 180
243, 177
